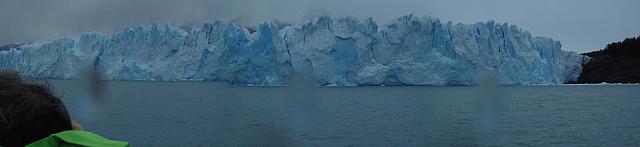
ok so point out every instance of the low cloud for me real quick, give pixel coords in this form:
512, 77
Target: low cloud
581, 25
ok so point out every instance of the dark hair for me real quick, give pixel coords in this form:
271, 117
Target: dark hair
29, 113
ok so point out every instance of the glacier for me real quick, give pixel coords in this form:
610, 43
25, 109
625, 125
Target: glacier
344, 51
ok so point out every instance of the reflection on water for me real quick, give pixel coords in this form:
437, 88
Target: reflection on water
214, 114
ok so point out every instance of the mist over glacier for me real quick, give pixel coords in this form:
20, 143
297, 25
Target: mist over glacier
345, 51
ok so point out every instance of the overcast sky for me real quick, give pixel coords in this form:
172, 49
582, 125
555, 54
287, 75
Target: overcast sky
581, 25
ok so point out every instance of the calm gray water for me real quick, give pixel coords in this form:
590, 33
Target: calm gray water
213, 114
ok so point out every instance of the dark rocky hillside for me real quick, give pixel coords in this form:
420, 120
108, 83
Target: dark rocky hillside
619, 62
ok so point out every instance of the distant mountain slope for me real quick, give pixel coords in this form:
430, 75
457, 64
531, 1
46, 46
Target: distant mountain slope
619, 62
10, 46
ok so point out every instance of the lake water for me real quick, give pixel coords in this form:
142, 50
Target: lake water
213, 114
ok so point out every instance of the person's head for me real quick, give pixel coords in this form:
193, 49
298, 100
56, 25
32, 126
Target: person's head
28, 112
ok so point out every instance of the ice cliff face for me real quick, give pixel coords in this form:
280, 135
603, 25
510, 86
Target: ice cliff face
336, 51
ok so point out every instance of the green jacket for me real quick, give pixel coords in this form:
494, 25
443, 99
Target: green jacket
77, 138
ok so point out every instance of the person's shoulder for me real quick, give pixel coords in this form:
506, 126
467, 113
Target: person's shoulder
77, 138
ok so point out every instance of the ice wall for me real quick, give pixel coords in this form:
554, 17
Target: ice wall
344, 51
